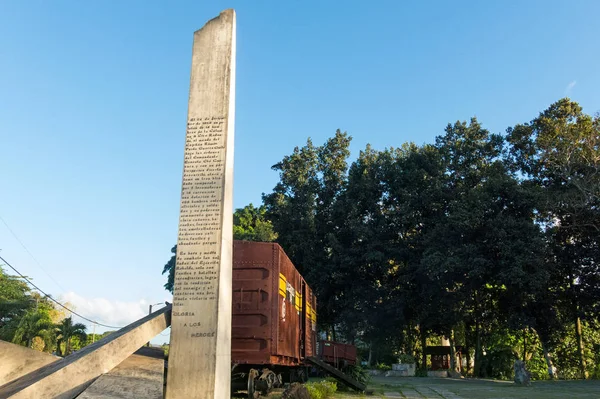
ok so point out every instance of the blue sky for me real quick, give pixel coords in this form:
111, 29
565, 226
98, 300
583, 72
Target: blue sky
93, 104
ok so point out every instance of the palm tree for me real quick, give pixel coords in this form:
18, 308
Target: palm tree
35, 323
65, 330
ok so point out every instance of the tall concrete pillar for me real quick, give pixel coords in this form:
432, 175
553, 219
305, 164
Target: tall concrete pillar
200, 350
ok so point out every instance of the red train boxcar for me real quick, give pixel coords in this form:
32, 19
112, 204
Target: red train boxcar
274, 318
337, 354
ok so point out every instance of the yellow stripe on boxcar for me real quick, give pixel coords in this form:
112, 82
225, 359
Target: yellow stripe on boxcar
282, 285
312, 314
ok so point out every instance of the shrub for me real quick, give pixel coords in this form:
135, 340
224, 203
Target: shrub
595, 374
420, 372
341, 387
322, 389
383, 367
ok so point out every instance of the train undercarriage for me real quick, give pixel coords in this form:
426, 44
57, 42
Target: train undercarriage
259, 380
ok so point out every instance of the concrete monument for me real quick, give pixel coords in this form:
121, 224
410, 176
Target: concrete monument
17, 361
200, 353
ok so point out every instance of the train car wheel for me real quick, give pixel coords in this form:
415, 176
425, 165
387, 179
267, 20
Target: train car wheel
251, 390
278, 381
252, 394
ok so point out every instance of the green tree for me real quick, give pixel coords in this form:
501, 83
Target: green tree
413, 201
302, 209
66, 330
35, 323
375, 236
359, 253
485, 250
559, 152
169, 268
251, 224
15, 301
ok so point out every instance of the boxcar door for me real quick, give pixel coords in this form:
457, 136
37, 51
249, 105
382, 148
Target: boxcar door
289, 323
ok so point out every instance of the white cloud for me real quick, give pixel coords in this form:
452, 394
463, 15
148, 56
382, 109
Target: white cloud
105, 311
570, 87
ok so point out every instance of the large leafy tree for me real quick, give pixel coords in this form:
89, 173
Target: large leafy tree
453, 268
15, 300
26, 317
358, 262
381, 216
302, 208
66, 330
413, 200
169, 269
482, 255
36, 323
559, 152
251, 224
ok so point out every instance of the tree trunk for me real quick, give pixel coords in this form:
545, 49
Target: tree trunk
578, 332
423, 346
452, 352
67, 346
370, 354
333, 334
467, 349
409, 346
580, 348
548, 360
477, 367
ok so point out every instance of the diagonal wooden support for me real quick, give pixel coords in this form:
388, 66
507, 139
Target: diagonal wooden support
67, 378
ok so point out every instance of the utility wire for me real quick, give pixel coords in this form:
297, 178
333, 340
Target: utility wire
54, 300
30, 254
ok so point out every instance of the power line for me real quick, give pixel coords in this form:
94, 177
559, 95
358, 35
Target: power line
30, 254
54, 300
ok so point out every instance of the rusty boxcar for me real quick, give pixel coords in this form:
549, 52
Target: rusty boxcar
337, 354
274, 318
